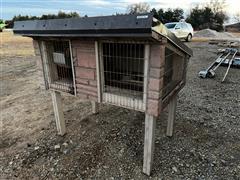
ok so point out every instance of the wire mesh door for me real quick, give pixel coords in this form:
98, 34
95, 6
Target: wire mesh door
123, 74
59, 66
173, 71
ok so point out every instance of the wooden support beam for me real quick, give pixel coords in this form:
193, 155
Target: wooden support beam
146, 69
171, 115
58, 112
73, 69
149, 143
98, 71
95, 107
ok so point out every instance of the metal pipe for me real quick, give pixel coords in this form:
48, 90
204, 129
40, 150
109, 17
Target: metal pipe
211, 66
223, 59
229, 65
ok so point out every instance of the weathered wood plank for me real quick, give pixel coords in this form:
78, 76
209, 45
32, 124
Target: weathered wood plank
58, 112
174, 49
146, 70
95, 107
73, 68
123, 101
149, 143
171, 115
98, 72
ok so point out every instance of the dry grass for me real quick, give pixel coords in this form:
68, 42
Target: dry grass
205, 39
9, 37
14, 45
236, 34
200, 39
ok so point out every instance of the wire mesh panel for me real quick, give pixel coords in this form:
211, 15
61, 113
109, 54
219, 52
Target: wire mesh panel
173, 71
123, 71
60, 74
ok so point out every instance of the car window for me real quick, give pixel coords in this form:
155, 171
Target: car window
170, 25
178, 26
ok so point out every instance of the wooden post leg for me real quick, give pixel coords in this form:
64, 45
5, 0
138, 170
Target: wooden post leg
171, 115
58, 112
94, 107
149, 143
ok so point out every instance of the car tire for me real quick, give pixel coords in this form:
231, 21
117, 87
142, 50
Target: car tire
189, 38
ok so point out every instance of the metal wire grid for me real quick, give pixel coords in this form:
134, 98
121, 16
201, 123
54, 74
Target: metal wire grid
169, 81
59, 65
123, 65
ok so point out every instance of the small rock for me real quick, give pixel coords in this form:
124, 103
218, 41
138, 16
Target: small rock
223, 162
10, 163
57, 147
65, 151
122, 150
174, 169
65, 144
17, 156
28, 145
36, 148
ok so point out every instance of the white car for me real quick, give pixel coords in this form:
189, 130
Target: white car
182, 30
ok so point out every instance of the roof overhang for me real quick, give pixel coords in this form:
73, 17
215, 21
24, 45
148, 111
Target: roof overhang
133, 26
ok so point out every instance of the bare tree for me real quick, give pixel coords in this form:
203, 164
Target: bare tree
237, 17
217, 6
138, 8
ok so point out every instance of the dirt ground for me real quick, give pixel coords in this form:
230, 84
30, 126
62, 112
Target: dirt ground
109, 145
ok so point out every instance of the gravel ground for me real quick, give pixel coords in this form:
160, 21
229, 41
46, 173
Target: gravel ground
205, 145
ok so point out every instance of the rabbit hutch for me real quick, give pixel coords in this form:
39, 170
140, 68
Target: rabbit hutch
131, 61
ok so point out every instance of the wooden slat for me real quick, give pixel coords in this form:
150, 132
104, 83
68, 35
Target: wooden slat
166, 100
123, 101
